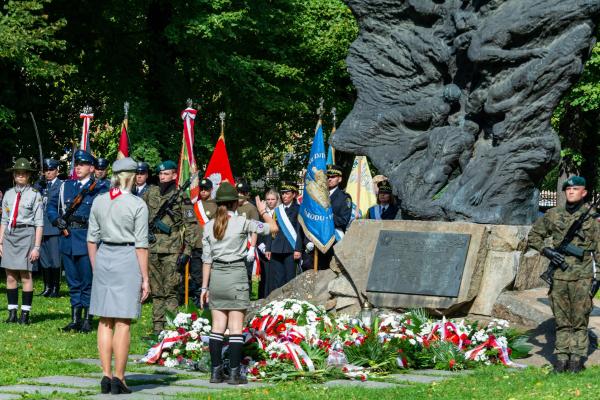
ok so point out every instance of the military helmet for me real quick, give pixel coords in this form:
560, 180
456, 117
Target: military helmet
226, 192
22, 164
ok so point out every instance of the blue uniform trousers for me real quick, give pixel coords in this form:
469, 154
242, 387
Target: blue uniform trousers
78, 271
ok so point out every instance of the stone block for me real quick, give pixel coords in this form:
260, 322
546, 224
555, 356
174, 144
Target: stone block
365, 384
508, 237
533, 264
341, 286
414, 378
499, 273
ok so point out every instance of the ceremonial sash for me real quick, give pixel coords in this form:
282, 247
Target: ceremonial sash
200, 213
376, 212
339, 235
286, 226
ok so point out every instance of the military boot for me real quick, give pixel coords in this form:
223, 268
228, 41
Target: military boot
75, 323
560, 366
24, 320
55, 282
12, 317
47, 277
216, 374
236, 377
576, 364
86, 321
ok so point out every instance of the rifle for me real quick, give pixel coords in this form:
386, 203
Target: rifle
68, 215
165, 209
566, 248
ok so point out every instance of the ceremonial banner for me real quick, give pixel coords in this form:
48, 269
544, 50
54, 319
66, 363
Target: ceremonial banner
187, 162
316, 216
360, 187
124, 139
87, 117
218, 169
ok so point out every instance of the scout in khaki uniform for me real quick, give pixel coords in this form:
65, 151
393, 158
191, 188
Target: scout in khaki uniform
171, 250
248, 210
225, 286
21, 233
569, 294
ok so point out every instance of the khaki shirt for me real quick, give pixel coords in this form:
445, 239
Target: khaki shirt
249, 211
234, 244
31, 207
210, 209
123, 219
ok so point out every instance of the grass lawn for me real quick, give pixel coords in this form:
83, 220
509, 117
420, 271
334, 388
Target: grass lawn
41, 349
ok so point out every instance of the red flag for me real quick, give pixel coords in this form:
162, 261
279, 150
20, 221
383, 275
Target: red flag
123, 142
218, 169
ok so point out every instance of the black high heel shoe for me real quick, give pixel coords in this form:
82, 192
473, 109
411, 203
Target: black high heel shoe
105, 385
118, 387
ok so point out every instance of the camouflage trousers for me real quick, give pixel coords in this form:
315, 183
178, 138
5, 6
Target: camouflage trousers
164, 284
571, 304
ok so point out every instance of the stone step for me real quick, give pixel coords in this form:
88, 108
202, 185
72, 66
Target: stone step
205, 383
74, 381
365, 384
416, 378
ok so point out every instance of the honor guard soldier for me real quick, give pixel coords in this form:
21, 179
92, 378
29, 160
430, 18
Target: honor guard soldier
284, 249
174, 233
20, 238
100, 167
248, 210
141, 179
386, 207
50, 261
205, 209
69, 210
570, 290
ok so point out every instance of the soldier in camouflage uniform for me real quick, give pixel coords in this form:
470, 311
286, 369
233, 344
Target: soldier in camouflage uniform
570, 296
165, 276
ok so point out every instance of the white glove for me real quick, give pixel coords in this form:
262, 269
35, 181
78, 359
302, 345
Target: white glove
262, 248
250, 255
310, 246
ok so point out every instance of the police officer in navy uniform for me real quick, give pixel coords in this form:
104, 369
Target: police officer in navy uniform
100, 167
141, 179
50, 261
73, 247
386, 208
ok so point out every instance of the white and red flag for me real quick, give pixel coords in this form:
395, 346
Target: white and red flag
218, 169
187, 162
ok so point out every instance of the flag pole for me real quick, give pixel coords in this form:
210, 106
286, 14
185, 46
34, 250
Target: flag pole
222, 116
334, 113
359, 183
187, 265
320, 111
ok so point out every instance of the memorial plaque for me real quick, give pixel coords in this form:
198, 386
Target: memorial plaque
419, 263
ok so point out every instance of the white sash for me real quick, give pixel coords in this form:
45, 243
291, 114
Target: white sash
286, 225
200, 213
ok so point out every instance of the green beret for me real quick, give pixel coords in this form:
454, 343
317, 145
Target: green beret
166, 165
573, 181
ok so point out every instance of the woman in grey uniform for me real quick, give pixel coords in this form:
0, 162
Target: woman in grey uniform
20, 239
118, 248
225, 282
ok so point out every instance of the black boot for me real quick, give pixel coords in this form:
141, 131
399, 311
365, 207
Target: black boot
216, 375
24, 320
12, 317
46, 276
576, 364
236, 378
86, 321
560, 366
54, 282
75, 323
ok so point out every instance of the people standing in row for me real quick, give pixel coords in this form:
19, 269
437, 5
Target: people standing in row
284, 248
50, 259
100, 171
74, 199
224, 283
248, 210
21, 230
118, 224
141, 179
174, 242
386, 208
272, 200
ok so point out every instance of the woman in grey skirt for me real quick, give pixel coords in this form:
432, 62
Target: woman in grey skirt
20, 238
224, 251
118, 248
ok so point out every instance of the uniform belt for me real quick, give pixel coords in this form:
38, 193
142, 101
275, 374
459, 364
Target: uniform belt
229, 262
119, 244
24, 226
78, 225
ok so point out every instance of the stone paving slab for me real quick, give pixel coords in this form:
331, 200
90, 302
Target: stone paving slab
36, 388
74, 381
132, 396
412, 378
224, 385
4, 396
168, 389
441, 372
89, 361
135, 376
365, 384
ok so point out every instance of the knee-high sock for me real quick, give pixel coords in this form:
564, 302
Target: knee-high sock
236, 342
215, 346
27, 298
13, 298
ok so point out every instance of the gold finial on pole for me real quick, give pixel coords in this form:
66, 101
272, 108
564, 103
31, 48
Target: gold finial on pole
222, 118
126, 108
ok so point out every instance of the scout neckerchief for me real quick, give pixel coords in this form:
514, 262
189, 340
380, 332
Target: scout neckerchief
200, 213
286, 226
14, 213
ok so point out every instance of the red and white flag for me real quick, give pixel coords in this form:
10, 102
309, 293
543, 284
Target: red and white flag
218, 169
187, 162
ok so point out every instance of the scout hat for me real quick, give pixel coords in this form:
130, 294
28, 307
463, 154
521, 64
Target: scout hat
50, 164
333, 170
288, 187
166, 165
22, 164
205, 183
83, 157
226, 192
385, 187
573, 181
126, 164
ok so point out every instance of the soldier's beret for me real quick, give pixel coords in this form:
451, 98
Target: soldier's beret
50, 164
205, 183
124, 164
289, 187
142, 167
101, 163
385, 187
166, 165
334, 170
574, 181
243, 187
83, 157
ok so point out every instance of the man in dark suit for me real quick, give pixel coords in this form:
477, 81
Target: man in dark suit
284, 249
50, 260
386, 207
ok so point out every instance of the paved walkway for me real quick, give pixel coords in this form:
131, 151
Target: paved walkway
151, 382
